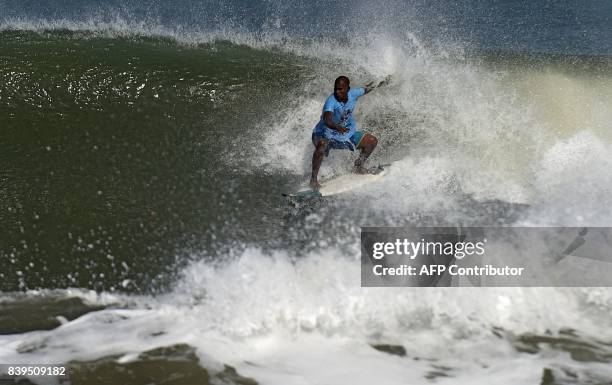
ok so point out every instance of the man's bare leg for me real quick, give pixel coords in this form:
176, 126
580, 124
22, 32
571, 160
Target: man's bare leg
317, 159
367, 145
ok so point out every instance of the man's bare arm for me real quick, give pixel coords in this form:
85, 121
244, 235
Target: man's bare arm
328, 118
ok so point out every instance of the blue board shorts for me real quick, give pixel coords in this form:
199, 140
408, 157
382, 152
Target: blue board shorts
350, 144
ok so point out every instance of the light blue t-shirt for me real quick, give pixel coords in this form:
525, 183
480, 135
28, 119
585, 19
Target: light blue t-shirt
342, 114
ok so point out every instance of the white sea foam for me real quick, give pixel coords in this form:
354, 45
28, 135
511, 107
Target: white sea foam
310, 322
573, 182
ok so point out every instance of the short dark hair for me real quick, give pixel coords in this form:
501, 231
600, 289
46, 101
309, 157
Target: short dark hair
344, 79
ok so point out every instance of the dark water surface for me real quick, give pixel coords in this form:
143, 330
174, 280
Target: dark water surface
116, 150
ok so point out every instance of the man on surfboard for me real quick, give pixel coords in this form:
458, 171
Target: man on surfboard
337, 128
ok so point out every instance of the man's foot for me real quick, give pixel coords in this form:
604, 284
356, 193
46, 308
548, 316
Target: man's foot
363, 170
314, 184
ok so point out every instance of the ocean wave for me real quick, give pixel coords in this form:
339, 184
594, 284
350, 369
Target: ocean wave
263, 314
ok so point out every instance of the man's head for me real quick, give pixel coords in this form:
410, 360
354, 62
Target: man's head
341, 88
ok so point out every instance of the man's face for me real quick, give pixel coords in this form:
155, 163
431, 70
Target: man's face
341, 90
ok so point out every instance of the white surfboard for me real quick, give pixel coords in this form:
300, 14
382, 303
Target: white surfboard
341, 184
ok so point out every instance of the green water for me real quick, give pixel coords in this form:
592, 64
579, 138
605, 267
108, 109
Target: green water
121, 155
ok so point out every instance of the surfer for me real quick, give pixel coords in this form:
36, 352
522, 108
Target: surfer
337, 128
